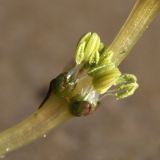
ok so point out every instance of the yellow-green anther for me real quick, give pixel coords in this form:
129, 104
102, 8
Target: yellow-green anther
125, 79
94, 58
104, 73
125, 85
92, 46
87, 49
126, 90
80, 53
101, 68
103, 81
85, 38
106, 58
95, 70
101, 47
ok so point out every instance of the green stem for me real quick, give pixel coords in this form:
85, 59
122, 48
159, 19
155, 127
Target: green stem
55, 111
138, 21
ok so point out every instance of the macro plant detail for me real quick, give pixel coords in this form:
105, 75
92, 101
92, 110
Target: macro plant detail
78, 90
102, 74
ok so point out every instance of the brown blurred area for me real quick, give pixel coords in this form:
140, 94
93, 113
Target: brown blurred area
37, 39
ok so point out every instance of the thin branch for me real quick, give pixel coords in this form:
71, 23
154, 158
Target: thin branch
55, 110
138, 21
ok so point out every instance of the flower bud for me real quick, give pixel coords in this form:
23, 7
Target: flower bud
94, 58
126, 78
80, 53
105, 79
92, 45
125, 85
126, 90
80, 108
87, 49
63, 85
83, 105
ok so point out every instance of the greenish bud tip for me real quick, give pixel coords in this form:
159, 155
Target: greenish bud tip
105, 79
87, 49
125, 86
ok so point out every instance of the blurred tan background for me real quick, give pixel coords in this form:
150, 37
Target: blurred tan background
37, 39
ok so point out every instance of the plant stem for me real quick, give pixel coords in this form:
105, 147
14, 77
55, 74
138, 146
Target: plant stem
138, 21
55, 111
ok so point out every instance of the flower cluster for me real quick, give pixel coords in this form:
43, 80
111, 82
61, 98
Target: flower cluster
94, 75
98, 61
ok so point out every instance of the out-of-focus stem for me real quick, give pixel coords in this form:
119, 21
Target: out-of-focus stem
138, 21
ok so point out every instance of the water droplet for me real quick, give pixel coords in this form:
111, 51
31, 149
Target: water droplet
44, 136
